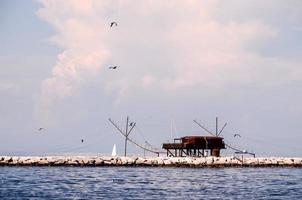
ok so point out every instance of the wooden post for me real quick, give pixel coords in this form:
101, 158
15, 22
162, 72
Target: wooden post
126, 137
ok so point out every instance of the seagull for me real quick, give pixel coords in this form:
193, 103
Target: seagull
113, 23
237, 135
113, 67
82, 140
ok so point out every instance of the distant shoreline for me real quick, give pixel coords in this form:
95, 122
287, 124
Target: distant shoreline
91, 161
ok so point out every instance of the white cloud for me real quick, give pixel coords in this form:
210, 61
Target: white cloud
213, 54
81, 33
169, 44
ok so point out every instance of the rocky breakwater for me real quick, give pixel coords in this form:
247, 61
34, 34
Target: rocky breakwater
152, 161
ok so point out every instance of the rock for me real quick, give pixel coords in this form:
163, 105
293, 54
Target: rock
196, 163
107, 163
160, 161
99, 162
250, 161
139, 161
43, 162
72, 162
155, 161
167, 162
124, 160
114, 161
148, 162
175, 160
201, 161
131, 161
209, 161
10, 160
288, 161
85, 160
298, 161
219, 161
187, 160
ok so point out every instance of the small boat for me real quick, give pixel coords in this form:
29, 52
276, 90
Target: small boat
113, 150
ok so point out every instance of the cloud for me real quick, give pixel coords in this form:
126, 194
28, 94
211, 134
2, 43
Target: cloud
83, 44
166, 44
213, 54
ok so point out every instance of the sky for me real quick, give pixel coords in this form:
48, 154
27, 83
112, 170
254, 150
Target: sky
178, 61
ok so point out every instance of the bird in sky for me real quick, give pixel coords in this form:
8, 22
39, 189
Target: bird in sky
40, 129
82, 140
114, 67
237, 135
113, 24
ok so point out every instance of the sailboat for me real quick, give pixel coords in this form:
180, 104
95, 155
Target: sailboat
113, 150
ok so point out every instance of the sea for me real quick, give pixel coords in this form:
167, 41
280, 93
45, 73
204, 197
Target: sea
149, 183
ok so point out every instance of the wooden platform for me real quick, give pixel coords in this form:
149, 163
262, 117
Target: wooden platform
194, 146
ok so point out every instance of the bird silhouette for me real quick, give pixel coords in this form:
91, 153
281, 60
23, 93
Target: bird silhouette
113, 67
82, 140
131, 124
113, 24
237, 135
40, 129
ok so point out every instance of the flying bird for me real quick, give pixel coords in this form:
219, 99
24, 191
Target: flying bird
82, 140
113, 24
40, 129
113, 67
237, 135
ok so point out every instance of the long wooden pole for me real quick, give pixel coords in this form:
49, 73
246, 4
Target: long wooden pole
203, 127
126, 137
222, 129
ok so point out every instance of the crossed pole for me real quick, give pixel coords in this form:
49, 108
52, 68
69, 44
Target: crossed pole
126, 133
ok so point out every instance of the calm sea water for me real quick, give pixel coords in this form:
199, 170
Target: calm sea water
149, 183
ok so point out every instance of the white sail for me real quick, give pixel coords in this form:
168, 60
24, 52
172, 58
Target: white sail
113, 150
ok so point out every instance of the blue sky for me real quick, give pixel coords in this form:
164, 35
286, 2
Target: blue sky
178, 60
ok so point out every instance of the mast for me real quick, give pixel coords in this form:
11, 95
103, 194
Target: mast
171, 130
216, 126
